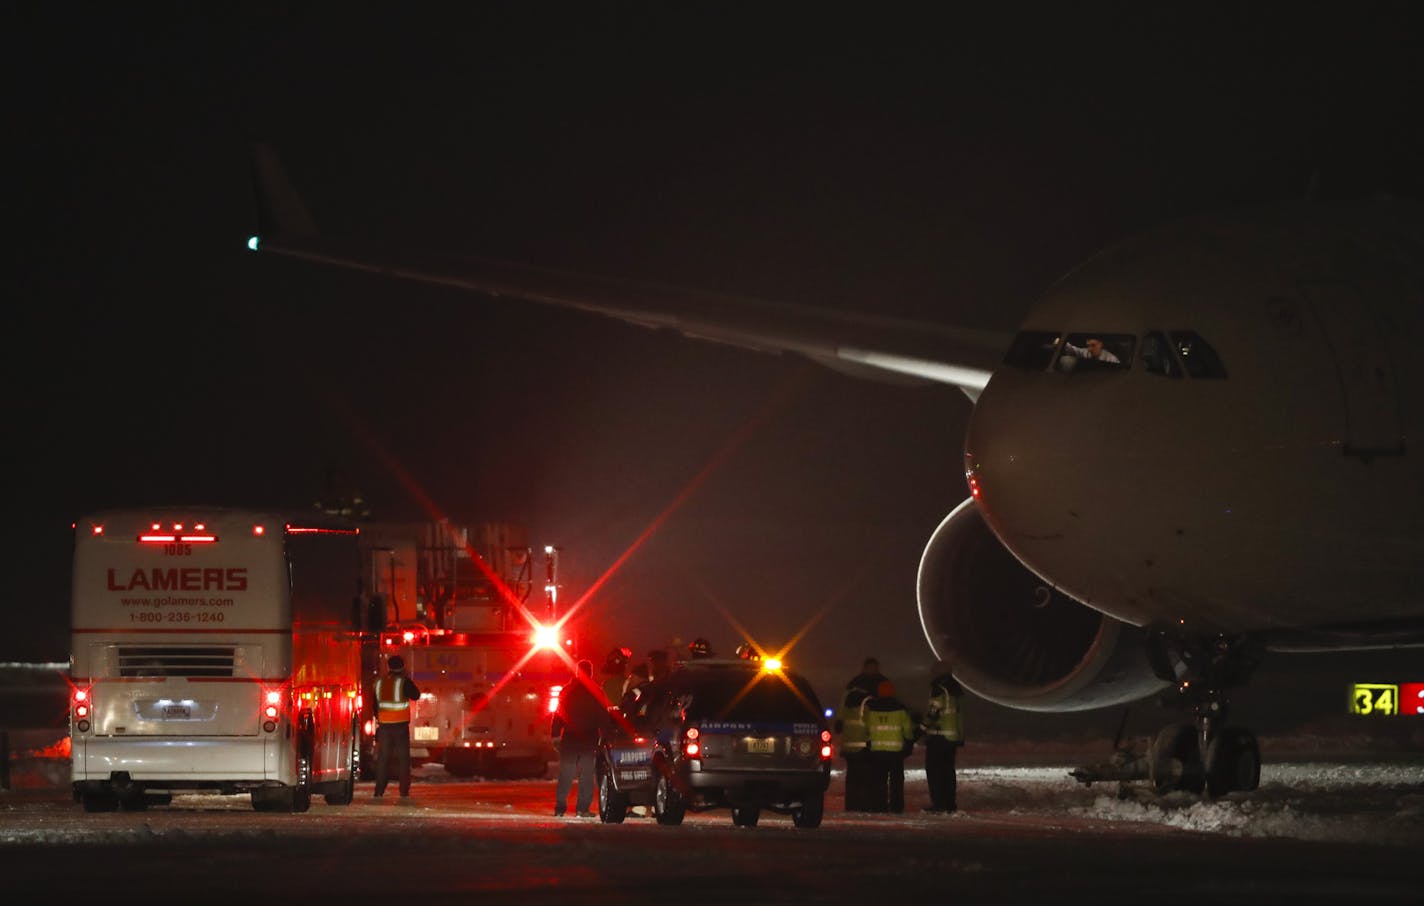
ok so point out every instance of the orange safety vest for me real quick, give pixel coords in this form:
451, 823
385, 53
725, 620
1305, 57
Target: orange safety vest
392, 707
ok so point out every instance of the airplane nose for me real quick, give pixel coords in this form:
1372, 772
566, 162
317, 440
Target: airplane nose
1016, 463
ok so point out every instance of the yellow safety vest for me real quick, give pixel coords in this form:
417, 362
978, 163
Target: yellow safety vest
392, 707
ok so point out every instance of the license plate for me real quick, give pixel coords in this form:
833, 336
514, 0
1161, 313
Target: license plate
177, 712
762, 746
425, 734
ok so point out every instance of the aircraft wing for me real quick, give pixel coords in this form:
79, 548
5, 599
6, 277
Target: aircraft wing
868, 346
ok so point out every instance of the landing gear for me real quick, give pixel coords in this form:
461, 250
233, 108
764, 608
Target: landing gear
1206, 754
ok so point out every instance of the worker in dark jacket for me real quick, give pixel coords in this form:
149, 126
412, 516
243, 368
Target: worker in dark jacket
944, 734
578, 723
394, 693
892, 736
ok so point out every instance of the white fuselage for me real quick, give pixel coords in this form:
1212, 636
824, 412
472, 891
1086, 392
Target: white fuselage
1284, 494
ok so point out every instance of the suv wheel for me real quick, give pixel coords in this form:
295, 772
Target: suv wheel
808, 813
668, 804
612, 806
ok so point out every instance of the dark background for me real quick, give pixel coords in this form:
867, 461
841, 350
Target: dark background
945, 167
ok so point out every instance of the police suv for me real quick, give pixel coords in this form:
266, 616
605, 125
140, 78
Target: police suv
740, 734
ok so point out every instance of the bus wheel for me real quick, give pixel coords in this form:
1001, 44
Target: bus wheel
347, 791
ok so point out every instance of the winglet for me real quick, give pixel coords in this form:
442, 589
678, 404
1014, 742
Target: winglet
280, 211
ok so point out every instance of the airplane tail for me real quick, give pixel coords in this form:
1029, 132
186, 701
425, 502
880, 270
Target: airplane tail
280, 211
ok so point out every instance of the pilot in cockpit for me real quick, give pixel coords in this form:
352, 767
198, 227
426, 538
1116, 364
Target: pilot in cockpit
1092, 349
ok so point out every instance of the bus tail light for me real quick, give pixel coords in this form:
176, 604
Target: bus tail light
271, 709
81, 710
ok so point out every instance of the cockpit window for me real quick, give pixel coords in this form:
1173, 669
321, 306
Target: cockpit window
1200, 360
1107, 351
1156, 356
1032, 350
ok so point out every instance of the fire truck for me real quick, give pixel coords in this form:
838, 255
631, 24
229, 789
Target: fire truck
458, 612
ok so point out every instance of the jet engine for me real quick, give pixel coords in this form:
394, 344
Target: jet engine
1015, 640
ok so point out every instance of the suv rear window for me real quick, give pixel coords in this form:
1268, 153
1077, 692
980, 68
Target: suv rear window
744, 696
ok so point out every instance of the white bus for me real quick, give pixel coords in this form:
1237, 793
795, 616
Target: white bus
217, 650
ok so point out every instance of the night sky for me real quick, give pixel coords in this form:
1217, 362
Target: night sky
945, 168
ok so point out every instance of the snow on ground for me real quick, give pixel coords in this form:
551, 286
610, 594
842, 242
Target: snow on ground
1374, 802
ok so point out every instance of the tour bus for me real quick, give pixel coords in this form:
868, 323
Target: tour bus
215, 649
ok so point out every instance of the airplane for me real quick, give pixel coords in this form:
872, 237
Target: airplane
1239, 481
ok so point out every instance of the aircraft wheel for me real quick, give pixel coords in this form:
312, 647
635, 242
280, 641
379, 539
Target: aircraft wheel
1233, 762
1175, 760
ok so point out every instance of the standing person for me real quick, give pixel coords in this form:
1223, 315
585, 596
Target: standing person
855, 736
892, 734
633, 693
944, 733
658, 665
576, 727
394, 693
615, 676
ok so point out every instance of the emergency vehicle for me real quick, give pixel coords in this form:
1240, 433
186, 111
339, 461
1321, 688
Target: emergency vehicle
457, 604
743, 734
215, 649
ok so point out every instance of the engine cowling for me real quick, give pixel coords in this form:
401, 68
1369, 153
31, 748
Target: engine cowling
1015, 640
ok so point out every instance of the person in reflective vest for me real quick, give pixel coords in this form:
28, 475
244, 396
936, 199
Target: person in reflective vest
855, 737
892, 736
394, 693
944, 734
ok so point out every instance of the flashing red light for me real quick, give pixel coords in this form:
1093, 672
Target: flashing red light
259, 530
546, 637
81, 710
98, 530
81, 695
408, 636
554, 692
